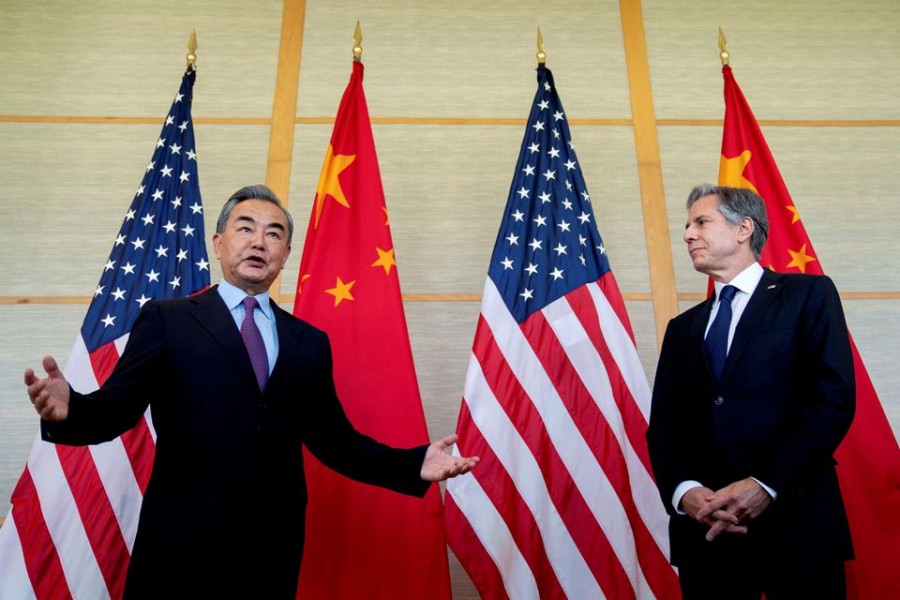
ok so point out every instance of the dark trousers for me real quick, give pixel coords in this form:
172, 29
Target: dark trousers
734, 570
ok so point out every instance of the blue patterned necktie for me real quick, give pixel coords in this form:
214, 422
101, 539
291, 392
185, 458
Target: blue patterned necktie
717, 336
256, 348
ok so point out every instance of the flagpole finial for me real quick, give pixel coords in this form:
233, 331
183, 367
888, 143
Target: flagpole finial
357, 43
541, 55
192, 51
723, 47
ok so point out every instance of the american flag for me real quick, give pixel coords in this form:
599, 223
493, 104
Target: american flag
556, 403
74, 511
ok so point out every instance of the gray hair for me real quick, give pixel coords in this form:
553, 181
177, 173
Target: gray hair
253, 192
736, 204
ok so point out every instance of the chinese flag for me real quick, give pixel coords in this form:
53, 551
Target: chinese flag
363, 541
869, 458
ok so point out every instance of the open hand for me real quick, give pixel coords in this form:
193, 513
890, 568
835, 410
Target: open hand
439, 465
50, 395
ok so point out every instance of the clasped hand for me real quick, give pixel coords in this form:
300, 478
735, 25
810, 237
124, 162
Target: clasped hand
726, 510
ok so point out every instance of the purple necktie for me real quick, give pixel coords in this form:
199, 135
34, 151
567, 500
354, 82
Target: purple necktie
254, 342
717, 336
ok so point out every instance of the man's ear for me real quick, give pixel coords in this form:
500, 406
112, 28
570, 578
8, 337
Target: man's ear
745, 229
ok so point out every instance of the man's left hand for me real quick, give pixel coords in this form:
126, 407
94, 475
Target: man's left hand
439, 465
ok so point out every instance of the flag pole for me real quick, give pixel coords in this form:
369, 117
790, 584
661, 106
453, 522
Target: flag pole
723, 47
724, 57
192, 51
357, 43
541, 55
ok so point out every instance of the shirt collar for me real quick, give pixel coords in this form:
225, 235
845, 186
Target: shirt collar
745, 281
233, 296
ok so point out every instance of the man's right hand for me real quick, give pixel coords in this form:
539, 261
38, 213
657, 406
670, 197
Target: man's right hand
695, 503
50, 395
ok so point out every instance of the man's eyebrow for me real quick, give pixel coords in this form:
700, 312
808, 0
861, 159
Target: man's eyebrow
274, 224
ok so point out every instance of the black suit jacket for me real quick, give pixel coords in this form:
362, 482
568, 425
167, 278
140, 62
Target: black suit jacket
223, 513
785, 401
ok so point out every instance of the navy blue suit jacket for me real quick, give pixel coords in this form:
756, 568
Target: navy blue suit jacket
784, 403
223, 513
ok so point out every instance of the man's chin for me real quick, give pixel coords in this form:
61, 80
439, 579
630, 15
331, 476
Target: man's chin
254, 274
257, 279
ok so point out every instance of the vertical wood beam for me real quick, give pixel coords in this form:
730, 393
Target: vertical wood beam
653, 199
284, 107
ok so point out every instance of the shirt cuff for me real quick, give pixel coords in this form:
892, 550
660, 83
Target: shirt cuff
683, 488
769, 490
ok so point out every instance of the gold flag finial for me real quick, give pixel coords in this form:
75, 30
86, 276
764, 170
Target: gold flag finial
723, 47
192, 51
541, 55
357, 43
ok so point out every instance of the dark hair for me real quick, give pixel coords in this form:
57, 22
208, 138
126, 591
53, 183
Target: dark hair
253, 192
736, 204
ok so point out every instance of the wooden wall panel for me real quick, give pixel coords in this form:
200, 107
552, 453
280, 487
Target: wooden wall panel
812, 59
97, 58
465, 59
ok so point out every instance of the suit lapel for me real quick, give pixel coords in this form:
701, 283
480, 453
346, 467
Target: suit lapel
698, 330
768, 289
288, 338
212, 314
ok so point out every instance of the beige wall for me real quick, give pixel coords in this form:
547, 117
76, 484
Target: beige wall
85, 86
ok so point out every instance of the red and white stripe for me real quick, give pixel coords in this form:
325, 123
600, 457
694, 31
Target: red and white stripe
563, 503
75, 510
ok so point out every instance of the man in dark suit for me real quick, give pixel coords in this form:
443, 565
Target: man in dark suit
745, 418
223, 513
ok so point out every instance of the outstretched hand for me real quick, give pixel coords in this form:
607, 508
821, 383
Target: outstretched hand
50, 395
439, 465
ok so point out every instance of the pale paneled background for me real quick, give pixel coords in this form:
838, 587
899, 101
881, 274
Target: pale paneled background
449, 86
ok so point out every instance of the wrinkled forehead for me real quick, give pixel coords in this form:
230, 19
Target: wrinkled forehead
259, 212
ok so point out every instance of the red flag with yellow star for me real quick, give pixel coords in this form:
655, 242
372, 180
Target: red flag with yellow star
869, 457
363, 541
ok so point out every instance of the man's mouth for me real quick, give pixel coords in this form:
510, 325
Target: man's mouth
255, 261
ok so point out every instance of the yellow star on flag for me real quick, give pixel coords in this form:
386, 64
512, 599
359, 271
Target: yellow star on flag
800, 258
329, 184
731, 171
341, 291
385, 259
796, 214
303, 278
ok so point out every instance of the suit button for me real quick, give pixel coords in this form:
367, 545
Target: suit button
719, 400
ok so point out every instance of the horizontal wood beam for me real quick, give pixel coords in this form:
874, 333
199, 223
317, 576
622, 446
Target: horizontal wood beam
289, 298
